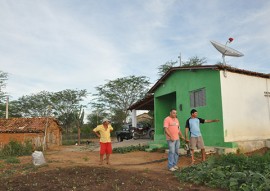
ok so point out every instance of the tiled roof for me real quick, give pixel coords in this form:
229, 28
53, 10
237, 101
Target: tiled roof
25, 125
202, 67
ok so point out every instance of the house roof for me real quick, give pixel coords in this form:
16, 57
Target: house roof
147, 103
144, 116
25, 125
202, 67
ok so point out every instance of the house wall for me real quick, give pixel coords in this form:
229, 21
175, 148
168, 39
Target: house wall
181, 83
53, 137
246, 109
35, 138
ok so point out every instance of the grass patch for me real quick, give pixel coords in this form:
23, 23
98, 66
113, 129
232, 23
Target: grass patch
12, 160
68, 142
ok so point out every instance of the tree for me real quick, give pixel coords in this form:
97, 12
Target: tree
79, 122
3, 79
34, 105
162, 69
118, 95
65, 104
95, 118
195, 61
13, 110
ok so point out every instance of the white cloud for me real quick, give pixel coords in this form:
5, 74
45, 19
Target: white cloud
56, 45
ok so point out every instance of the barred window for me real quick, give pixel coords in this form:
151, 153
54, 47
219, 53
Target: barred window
197, 98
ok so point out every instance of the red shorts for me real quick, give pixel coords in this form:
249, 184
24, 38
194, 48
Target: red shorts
105, 148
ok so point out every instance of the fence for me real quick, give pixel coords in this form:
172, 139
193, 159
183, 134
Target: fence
72, 138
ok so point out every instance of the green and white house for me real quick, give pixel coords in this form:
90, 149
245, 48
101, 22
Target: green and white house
240, 99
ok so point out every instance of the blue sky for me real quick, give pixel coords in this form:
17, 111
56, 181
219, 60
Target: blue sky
54, 45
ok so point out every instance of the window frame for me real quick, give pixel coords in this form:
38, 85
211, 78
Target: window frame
197, 97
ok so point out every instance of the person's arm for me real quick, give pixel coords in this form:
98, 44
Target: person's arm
97, 134
96, 131
181, 135
111, 128
168, 133
186, 134
187, 131
211, 120
166, 129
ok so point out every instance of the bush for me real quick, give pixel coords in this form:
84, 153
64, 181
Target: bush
231, 171
14, 148
131, 148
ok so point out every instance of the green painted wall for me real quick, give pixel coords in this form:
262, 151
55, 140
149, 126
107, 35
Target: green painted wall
162, 105
175, 91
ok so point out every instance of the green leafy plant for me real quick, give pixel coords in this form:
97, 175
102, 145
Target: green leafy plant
131, 148
14, 148
231, 171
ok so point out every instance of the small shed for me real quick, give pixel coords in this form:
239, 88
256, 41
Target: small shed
31, 129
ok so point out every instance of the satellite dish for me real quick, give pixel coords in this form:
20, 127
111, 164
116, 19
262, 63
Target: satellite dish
226, 51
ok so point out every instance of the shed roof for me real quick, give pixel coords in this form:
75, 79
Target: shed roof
25, 125
147, 103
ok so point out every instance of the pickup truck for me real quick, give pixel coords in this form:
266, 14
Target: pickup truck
125, 133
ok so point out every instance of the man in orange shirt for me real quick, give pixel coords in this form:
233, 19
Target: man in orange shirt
103, 131
172, 130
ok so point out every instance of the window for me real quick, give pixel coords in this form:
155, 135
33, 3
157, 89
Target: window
197, 98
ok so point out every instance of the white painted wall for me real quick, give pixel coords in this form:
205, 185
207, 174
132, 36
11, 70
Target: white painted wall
246, 109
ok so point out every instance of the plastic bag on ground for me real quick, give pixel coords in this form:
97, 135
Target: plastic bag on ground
38, 158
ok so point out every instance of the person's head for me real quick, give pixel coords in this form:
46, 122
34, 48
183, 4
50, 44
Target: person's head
173, 113
194, 113
105, 121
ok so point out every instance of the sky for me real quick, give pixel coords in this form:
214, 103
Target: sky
53, 45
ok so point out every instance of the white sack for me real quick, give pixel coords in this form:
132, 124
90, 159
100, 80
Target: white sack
38, 158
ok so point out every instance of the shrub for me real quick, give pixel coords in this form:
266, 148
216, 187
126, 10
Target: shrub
14, 148
131, 148
231, 171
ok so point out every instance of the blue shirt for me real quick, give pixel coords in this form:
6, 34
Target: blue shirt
194, 126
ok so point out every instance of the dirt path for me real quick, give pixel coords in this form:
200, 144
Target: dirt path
88, 155
77, 168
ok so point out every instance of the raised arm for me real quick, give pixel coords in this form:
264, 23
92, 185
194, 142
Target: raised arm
211, 120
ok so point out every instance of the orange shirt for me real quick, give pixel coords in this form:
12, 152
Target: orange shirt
173, 127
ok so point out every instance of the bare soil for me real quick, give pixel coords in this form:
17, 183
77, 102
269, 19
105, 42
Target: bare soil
77, 168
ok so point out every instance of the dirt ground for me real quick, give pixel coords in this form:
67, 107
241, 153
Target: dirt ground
77, 168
